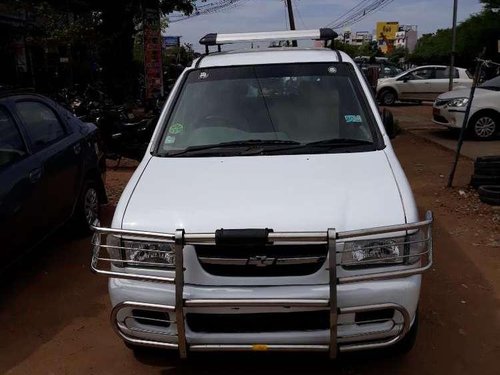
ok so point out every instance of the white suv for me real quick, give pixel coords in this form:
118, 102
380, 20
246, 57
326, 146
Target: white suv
270, 213
422, 83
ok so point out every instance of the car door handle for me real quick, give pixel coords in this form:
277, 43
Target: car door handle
35, 175
77, 148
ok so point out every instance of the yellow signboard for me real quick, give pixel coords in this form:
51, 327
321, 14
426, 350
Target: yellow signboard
387, 30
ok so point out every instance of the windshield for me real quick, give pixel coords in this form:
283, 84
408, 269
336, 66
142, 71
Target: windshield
491, 84
285, 107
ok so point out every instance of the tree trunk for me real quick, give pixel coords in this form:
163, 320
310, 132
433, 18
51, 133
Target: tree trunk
116, 52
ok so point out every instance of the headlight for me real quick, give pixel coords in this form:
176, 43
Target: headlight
459, 102
148, 254
130, 253
386, 251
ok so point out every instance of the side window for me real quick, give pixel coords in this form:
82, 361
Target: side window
41, 123
444, 73
12, 145
426, 73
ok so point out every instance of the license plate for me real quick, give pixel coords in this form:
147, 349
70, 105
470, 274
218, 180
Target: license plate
436, 111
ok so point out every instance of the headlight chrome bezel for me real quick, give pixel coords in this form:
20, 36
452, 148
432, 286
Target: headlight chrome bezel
383, 252
458, 102
148, 254
131, 253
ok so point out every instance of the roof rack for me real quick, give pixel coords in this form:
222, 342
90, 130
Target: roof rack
214, 39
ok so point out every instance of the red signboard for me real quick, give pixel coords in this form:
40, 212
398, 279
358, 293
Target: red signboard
152, 53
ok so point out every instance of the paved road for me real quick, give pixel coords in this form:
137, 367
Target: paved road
54, 311
418, 120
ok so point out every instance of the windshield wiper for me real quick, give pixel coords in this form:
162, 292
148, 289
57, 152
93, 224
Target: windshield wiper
341, 142
246, 143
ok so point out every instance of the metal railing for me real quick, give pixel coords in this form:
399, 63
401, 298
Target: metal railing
407, 262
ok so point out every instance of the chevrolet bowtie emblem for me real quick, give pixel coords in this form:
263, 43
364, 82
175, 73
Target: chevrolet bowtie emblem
261, 261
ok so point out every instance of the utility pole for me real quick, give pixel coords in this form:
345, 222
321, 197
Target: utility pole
292, 20
453, 45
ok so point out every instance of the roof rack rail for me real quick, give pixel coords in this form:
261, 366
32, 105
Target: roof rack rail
214, 39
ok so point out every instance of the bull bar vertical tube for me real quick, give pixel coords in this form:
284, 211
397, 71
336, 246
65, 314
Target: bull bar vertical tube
332, 271
179, 291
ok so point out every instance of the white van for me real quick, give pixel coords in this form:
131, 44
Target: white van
270, 212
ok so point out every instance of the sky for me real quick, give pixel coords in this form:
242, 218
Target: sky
268, 15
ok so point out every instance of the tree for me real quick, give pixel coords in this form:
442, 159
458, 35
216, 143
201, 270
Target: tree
118, 26
347, 48
491, 4
112, 25
397, 54
479, 32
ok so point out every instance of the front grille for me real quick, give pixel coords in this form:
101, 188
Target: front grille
272, 260
441, 119
255, 323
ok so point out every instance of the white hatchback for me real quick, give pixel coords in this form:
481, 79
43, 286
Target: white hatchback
422, 83
484, 118
270, 212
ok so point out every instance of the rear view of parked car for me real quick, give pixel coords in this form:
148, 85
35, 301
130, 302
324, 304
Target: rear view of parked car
50, 171
422, 83
484, 119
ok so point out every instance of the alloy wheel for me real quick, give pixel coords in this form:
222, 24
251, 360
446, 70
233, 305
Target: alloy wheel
485, 127
388, 98
91, 205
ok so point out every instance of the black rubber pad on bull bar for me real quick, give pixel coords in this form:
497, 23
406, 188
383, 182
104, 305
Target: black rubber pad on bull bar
242, 236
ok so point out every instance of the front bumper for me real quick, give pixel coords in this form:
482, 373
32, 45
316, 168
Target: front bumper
451, 118
400, 295
345, 297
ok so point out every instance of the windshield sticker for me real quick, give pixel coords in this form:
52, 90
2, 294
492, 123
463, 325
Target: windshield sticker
169, 139
353, 118
176, 128
332, 70
203, 75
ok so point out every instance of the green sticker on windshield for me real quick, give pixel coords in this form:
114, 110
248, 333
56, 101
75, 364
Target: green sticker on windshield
176, 128
169, 139
353, 118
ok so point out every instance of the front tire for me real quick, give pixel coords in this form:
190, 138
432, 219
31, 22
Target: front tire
388, 97
484, 126
87, 209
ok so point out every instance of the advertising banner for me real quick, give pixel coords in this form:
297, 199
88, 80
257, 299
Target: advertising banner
387, 30
153, 72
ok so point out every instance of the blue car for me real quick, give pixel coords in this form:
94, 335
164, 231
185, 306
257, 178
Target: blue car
51, 172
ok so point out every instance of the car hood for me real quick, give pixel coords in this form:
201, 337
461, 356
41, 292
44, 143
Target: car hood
386, 79
284, 193
463, 93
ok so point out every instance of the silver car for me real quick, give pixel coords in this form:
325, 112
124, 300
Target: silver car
422, 83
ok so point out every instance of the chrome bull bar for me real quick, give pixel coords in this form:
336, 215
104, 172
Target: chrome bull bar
411, 264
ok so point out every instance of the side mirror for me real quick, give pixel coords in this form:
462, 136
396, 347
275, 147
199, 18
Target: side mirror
406, 78
388, 120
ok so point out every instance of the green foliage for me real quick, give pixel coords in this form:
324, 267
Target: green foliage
347, 48
397, 54
491, 4
479, 32
366, 49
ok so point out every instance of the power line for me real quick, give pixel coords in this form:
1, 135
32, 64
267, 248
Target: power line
208, 8
358, 12
352, 16
346, 14
298, 13
286, 16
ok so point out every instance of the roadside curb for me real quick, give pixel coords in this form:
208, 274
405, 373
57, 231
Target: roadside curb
414, 132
